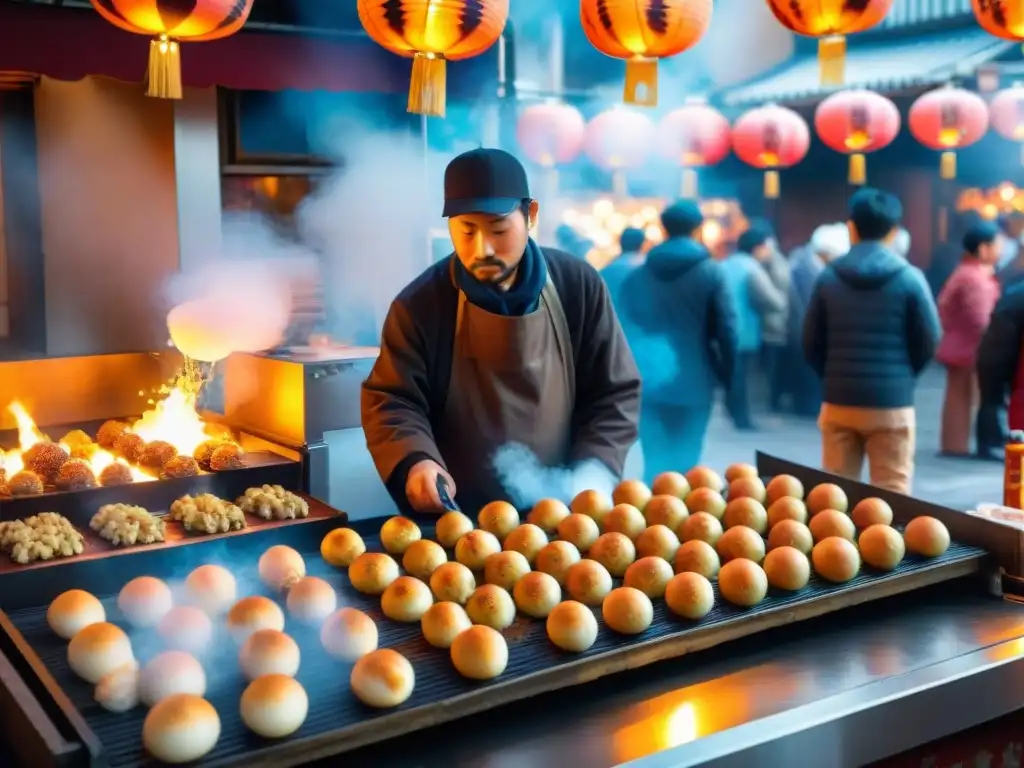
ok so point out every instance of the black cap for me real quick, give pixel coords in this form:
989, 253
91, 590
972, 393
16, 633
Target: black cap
484, 181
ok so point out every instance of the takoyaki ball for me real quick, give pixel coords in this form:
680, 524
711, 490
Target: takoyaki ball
45, 459
75, 475
227, 456
205, 450
115, 474
130, 446
180, 466
157, 453
109, 432
25, 483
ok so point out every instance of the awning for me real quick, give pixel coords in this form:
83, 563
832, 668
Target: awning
882, 65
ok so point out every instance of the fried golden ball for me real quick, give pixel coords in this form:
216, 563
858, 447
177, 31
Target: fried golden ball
547, 514
26, 483
783, 486
227, 456
372, 572
697, 556
706, 500
499, 518
625, 519
45, 459
670, 484
836, 559
704, 477
700, 526
341, 547
422, 558
75, 438
473, 549
632, 492
871, 511
740, 542
926, 536
747, 487
690, 595
115, 474
657, 541
787, 568
786, 508
452, 583
451, 527
491, 606
746, 511
479, 653
881, 547
157, 453
204, 452
109, 432
650, 575
666, 510
742, 582
556, 558
831, 522
627, 611
572, 627
593, 504
528, 539
579, 530
827, 496
180, 467
398, 533
615, 551
75, 475
588, 582
504, 569
130, 446
537, 594
790, 533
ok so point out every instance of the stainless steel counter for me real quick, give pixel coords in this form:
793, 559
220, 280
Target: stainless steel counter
844, 690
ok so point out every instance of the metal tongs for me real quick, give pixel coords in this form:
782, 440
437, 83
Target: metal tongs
446, 498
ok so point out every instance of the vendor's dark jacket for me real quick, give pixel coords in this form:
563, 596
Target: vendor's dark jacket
680, 319
1000, 369
871, 328
404, 396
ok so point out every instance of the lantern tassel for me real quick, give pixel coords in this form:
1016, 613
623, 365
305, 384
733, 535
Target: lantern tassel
427, 90
858, 169
947, 165
164, 76
771, 185
688, 189
832, 60
619, 184
641, 82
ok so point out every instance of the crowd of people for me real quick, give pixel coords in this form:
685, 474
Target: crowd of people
840, 330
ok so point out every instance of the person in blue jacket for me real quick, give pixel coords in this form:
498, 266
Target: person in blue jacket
871, 328
680, 322
631, 244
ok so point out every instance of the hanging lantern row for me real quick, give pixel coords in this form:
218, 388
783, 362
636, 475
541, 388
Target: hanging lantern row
694, 136
855, 123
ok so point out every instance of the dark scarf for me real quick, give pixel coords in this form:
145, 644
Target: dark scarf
523, 295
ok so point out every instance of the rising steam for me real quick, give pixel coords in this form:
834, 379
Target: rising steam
527, 480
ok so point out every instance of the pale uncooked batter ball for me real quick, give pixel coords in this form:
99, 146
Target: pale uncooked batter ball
251, 614
556, 558
480, 653
186, 628
451, 527
628, 611
504, 569
588, 582
170, 673
572, 627
689, 595
341, 546
144, 601
212, 588
311, 600
348, 634
615, 551
650, 575
97, 650
528, 539
181, 729
491, 606
625, 519
371, 573
398, 533
280, 567
118, 691
579, 530
382, 679
657, 541
422, 558
274, 706
536, 594
547, 514
443, 622
473, 549
269, 652
72, 611
452, 582
499, 518
406, 599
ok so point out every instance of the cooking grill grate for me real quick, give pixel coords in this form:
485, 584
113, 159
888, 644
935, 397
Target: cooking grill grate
332, 705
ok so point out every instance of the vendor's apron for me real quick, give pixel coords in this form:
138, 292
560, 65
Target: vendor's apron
512, 381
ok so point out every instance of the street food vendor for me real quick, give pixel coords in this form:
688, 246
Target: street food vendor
503, 342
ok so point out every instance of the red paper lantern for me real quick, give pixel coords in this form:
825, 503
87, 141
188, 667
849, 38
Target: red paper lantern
830, 21
948, 119
857, 122
619, 139
694, 136
1002, 19
641, 32
168, 21
771, 137
1006, 113
551, 134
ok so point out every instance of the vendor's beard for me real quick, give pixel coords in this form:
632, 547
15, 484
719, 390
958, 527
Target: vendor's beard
502, 277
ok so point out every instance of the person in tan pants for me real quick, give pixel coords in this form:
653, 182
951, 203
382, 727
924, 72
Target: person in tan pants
870, 330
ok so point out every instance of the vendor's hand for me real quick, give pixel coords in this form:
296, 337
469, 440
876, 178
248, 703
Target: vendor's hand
421, 486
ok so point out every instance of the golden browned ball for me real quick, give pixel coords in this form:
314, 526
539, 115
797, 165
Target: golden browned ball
881, 547
75, 438
743, 583
748, 511
871, 511
740, 543
157, 453
204, 451
670, 484
109, 432
666, 510
736, 471
697, 556
827, 496
783, 486
747, 487
227, 456
836, 559
786, 508
791, 533
831, 522
45, 459
115, 474
130, 445
704, 477
180, 466
75, 475
700, 525
706, 500
615, 551
787, 568
924, 536
25, 483
632, 492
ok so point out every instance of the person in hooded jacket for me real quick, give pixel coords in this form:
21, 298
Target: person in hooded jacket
680, 323
871, 328
631, 244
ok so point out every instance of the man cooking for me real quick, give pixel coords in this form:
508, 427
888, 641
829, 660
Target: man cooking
504, 342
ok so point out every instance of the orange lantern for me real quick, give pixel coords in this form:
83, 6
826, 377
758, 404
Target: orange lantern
641, 32
617, 140
948, 119
694, 136
1006, 113
830, 21
771, 137
432, 32
855, 123
1005, 20
167, 22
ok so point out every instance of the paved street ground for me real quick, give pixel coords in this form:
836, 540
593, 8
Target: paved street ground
957, 483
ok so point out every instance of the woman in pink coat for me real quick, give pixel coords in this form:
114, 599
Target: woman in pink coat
965, 306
